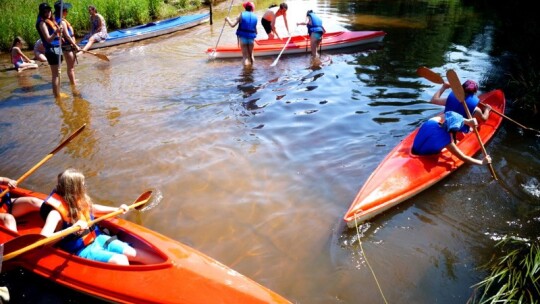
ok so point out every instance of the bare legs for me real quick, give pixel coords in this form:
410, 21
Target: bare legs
247, 53
315, 43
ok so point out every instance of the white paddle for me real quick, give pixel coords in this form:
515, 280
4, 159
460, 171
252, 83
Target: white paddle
213, 54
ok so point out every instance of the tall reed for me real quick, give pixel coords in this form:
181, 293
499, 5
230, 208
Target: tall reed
118, 14
514, 277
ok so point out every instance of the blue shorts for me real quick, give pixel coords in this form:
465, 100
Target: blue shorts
246, 40
317, 35
97, 251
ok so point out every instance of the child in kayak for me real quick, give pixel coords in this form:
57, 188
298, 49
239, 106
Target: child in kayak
11, 208
315, 31
246, 32
436, 134
268, 20
451, 103
18, 58
69, 205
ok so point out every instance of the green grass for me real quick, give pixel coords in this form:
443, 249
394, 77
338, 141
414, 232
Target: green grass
118, 14
514, 277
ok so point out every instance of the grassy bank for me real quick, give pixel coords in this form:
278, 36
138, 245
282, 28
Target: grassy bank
118, 14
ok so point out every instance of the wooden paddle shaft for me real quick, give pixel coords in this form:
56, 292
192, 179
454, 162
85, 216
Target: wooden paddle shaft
460, 94
46, 158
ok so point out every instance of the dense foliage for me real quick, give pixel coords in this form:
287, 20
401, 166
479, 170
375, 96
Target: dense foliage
118, 14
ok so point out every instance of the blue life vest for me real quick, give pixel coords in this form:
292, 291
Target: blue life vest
431, 138
247, 25
453, 104
5, 204
315, 26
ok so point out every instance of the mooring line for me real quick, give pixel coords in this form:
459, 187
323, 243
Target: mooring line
367, 262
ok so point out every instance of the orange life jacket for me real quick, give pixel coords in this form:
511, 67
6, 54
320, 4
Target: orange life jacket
62, 207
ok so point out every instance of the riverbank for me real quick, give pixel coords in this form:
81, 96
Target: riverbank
117, 14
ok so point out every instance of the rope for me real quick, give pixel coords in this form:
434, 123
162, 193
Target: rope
223, 27
367, 262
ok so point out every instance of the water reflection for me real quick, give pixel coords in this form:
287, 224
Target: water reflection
75, 112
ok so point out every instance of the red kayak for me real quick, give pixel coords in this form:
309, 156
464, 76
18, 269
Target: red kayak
169, 272
299, 44
402, 175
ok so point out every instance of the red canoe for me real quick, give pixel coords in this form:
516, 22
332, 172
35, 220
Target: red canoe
300, 44
170, 272
402, 175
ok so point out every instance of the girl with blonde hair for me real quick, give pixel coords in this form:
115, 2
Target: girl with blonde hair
69, 205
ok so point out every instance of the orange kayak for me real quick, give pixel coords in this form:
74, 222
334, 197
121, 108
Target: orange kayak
168, 271
402, 175
300, 44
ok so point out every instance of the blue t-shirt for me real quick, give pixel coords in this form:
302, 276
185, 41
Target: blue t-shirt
453, 104
431, 138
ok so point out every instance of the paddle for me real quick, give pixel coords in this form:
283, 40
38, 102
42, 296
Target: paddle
46, 158
27, 242
285, 46
455, 84
100, 56
436, 78
213, 54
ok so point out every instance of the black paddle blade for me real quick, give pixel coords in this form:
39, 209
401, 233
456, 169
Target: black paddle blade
21, 242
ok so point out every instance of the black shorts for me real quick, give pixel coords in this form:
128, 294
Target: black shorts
52, 55
267, 25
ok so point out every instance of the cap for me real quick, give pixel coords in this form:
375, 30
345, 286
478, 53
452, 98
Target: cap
58, 4
470, 86
453, 121
44, 6
249, 3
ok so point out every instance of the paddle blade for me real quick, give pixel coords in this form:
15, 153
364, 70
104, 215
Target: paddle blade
102, 57
67, 140
142, 200
21, 242
455, 84
429, 75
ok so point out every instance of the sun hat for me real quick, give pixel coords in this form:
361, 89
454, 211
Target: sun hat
58, 4
44, 6
470, 87
453, 121
249, 3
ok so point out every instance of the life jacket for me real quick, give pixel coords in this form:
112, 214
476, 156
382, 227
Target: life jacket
5, 203
51, 27
247, 25
315, 26
69, 27
431, 138
453, 104
72, 243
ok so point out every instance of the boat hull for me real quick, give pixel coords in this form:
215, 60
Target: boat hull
150, 30
166, 271
401, 175
300, 44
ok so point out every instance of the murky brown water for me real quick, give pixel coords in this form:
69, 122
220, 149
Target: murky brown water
257, 167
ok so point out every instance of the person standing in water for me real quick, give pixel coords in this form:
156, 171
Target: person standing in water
315, 31
246, 32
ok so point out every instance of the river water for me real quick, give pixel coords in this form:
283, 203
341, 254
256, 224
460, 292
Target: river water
256, 167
